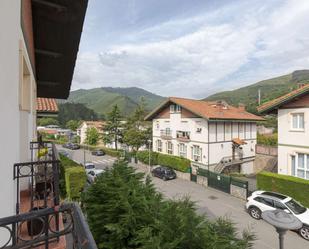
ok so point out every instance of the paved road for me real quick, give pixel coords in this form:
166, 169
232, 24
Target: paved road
213, 203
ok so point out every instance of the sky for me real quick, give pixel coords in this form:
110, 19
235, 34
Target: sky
190, 48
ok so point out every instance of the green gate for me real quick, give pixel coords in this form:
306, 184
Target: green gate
219, 181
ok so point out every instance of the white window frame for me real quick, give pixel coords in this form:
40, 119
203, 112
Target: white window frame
182, 150
172, 108
196, 153
178, 108
298, 126
297, 168
158, 125
159, 145
169, 148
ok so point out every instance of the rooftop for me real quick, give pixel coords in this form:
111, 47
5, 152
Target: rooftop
210, 110
47, 105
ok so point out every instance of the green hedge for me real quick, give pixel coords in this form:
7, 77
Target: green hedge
75, 178
143, 156
270, 140
175, 162
294, 187
65, 163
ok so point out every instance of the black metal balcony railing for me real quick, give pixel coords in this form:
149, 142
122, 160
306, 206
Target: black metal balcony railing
44, 219
40, 225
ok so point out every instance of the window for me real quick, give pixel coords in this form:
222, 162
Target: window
241, 127
265, 201
157, 125
300, 165
172, 108
298, 121
178, 108
279, 205
182, 150
169, 148
196, 153
159, 145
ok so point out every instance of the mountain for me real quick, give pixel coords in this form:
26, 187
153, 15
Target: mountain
270, 89
101, 100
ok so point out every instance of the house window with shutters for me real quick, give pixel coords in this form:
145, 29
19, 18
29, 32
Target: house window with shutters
159, 145
169, 148
196, 153
182, 148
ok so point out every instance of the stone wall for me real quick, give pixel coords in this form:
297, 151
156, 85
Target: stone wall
202, 180
238, 192
182, 175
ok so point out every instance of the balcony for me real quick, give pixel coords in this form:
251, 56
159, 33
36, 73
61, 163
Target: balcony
166, 134
41, 221
183, 136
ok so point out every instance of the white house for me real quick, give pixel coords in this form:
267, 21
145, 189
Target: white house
293, 131
38, 49
82, 129
213, 135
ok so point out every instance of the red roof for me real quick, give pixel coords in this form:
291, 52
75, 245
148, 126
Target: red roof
276, 103
208, 110
47, 105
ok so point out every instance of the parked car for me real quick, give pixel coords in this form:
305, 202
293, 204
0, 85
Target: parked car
67, 145
98, 153
164, 173
74, 147
64, 153
89, 166
93, 174
261, 201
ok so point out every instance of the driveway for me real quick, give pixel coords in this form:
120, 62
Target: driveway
211, 202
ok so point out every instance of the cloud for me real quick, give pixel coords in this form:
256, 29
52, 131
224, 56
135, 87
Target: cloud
198, 55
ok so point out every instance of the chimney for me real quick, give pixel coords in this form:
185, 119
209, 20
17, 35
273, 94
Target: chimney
241, 107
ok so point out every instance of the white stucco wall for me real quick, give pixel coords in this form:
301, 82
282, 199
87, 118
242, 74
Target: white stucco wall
291, 142
17, 127
220, 145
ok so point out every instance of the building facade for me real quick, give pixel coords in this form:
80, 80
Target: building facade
207, 133
293, 131
82, 129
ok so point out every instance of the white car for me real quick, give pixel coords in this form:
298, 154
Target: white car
93, 174
89, 166
261, 201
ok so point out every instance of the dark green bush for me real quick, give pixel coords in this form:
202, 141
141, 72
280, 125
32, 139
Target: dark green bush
175, 162
294, 187
143, 156
75, 179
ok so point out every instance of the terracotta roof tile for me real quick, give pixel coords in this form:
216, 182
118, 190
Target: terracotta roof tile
47, 105
273, 104
209, 110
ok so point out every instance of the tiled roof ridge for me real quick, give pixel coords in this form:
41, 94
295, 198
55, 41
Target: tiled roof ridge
279, 100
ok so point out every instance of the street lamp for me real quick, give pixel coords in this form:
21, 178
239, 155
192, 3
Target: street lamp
149, 156
282, 221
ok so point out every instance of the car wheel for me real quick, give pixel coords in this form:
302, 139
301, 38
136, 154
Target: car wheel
255, 213
164, 178
304, 232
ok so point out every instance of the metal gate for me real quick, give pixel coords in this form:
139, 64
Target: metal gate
219, 181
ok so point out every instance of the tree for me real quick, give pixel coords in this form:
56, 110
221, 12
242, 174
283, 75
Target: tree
137, 131
92, 136
112, 127
125, 211
72, 124
47, 121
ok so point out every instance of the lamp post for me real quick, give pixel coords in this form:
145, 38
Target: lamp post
282, 221
149, 157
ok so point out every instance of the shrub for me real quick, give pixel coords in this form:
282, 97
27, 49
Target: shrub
143, 156
270, 140
65, 163
289, 185
75, 179
175, 162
